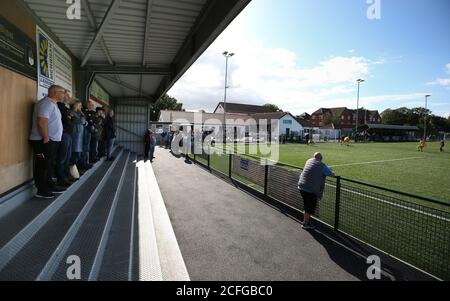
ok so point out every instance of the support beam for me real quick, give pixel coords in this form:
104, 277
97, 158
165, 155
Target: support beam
108, 16
147, 31
140, 84
93, 25
126, 85
158, 70
122, 88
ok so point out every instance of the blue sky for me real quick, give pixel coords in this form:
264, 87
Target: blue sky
307, 54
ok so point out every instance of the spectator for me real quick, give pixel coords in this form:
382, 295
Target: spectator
312, 185
79, 122
46, 134
101, 149
65, 147
110, 134
89, 114
150, 144
168, 139
97, 134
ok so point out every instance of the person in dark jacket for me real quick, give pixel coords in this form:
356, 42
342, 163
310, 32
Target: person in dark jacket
109, 131
150, 144
64, 153
101, 148
89, 130
97, 134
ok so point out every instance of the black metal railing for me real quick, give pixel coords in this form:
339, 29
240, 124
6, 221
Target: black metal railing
411, 228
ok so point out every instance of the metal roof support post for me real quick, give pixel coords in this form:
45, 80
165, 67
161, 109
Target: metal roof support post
126, 85
147, 31
93, 25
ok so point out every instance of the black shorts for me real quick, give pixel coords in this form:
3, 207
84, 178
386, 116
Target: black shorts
309, 201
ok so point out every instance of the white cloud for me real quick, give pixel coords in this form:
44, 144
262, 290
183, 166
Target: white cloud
260, 74
444, 82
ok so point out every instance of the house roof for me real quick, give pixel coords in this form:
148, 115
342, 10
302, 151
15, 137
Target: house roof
206, 118
240, 108
333, 111
269, 116
337, 111
321, 111
305, 116
304, 122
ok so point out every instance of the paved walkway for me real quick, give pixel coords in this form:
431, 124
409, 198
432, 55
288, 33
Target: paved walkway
225, 234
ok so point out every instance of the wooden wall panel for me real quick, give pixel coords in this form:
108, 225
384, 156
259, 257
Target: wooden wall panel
17, 98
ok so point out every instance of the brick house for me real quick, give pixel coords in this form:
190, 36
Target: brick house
343, 117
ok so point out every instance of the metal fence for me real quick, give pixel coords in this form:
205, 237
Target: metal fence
413, 229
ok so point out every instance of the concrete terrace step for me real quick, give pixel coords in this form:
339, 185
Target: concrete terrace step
84, 238
118, 261
24, 257
114, 220
19, 211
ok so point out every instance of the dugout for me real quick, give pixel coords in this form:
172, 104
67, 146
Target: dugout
387, 133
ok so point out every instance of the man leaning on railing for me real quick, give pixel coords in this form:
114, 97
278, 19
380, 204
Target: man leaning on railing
312, 185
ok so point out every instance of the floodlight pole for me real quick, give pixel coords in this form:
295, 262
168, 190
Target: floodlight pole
425, 119
357, 107
227, 56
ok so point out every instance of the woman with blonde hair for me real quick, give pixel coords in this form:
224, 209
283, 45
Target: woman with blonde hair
79, 122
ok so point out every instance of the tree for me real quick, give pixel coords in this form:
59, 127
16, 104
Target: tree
415, 117
394, 117
272, 107
165, 103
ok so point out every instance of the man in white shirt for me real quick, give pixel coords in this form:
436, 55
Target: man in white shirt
46, 133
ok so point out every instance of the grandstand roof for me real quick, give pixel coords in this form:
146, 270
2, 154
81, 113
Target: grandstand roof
390, 127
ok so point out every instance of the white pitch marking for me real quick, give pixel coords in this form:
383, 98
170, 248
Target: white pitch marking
373, 162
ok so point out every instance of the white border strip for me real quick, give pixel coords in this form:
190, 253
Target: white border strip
54, 261
172, 262
131, 259
95, 269
374, 162
149, 262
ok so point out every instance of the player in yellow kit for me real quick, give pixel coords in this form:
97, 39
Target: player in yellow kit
421, 145
347, 141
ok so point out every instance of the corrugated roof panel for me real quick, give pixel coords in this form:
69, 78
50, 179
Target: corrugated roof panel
170, 22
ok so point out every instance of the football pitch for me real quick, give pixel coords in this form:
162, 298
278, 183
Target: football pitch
397, 166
